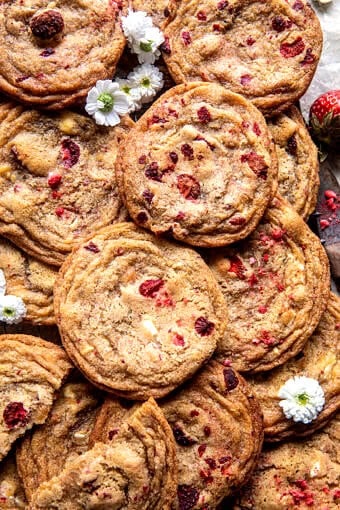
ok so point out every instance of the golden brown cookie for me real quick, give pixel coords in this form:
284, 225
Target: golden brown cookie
276, 286
319, 360
31, 371
267, 51
46, 450
31, 280
138, 315
109, 419
297, 475
298, 175
57, 181
217, 424
12, 495
199, 165
136, 471
52, 53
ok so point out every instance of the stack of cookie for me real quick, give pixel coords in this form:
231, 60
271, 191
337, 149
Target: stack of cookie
192, 300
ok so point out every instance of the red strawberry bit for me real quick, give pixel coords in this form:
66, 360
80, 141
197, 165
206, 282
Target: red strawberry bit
59, 211
256, 129
186, 38
330, 194
230, 379
187, 151
204, 115
165, 47
71, 153
164, 299
298, 5
152, 172
290, 50
150, 288
291, 147
21, 78
56, 194
250, 41
280, 287
201, 450
280, 24
92, 247
47, 52
225, 471
265, 258
237, 220
148, 196
54, 180
207, 431
336, 494
15, 415
324, 224
206, 476
200, 138
217, 27
187, 497
277, 234
181, 438
142, 217
256, 163
180, 216
306, 497
204, 327
211, 463
225, 460
262, 309
201, 16
253, 280
222, 5
142, 159
188, 186
266, 338
245, 79
194, 413
112, 433
178, 340
155, 119
309, 57
174, 157
237, 267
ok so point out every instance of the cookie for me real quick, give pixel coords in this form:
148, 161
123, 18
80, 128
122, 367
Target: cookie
199, 165
137, 315
266, 51
109, 419
298, 161
30, 280
160, 10
217, 424
301, 474
12, 495
320, 360
52, 53
64, 436
137, 471
57, 182
276, 286
32, 370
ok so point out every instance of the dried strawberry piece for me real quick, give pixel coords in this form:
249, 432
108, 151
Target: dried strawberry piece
150, 288
298, 5
230, 379
59, 211
256, 163
148, 195
277, 234
15, 415
309, 57
237, 220
194, 413
178, 340
289, 50
253, 280
250, 41
142, 159
207, 431
92, 247
201, 449
245, 79
211, 463
222, 4
201, 15
174, 157
47, 24
280, 24
187, 151
47, 52
152, 172
206, 476
256, 129
113, 433
266, 338
262, 309
181, 438
54, 181
291, 146
156, 119
236, 266
71, 153
142, 217
187, 497
165, 47
204, 327
186, 38
188, 186
204, 115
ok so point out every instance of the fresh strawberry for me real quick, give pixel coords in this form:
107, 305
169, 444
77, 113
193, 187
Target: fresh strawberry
324, 118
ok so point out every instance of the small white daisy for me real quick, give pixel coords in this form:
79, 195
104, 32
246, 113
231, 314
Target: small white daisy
133, 94
135, 24
303, 399
2, 283
146, 48
148, 80
106, 102
12, 309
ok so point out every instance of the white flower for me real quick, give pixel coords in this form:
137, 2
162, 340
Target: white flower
12, 309
132, 93
146, 47
324, 1
303, 399
135, 24
2, 283
106, 102
148, 80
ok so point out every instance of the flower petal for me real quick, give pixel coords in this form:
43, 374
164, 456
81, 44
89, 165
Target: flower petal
2, 283
112, 119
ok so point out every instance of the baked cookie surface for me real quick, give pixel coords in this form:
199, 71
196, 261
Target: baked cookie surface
276, 287
199, 164
12, 495
137, 471
52, 53
161, 11
217, 424
320, 360
137, 315
267, 51
31, 280
32, 370
298, 175
57, 182
301, 474
46, 450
